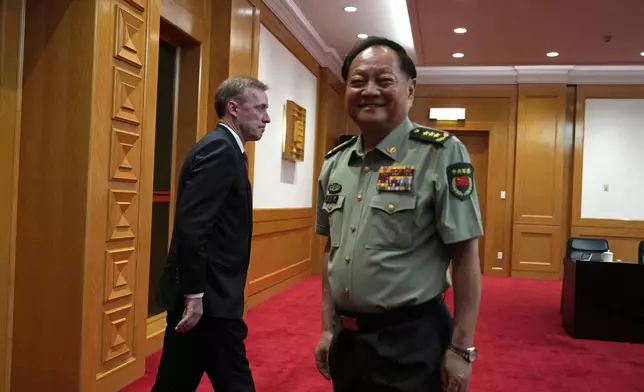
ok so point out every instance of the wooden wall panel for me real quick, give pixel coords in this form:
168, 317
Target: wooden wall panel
51, 224
489, 109
12, 27
540, 229
281, 251
539, 161
85, 197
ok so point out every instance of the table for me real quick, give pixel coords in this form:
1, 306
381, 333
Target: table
603, 301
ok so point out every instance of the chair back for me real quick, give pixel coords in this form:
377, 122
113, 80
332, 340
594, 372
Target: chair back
578, 246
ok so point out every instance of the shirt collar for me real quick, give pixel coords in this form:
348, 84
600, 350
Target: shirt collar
235, 135
391, 144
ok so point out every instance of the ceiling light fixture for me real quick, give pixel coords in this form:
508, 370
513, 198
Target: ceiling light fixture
642, 54
552, 54
350, 9
458, 55
362, 36
460, 30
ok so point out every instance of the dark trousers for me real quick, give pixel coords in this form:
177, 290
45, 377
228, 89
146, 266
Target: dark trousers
215, 346
404, 355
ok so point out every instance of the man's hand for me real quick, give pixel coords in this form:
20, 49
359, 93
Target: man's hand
191, 314
322, 354
456, 373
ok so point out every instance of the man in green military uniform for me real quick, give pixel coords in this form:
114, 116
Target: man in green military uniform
397, 203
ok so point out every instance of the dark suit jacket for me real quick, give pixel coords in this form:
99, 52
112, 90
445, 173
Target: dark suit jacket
211, 239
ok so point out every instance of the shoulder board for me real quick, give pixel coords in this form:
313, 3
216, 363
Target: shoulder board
430, 135
340, 147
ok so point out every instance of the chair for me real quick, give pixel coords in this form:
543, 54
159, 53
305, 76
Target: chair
576, 247
640, 253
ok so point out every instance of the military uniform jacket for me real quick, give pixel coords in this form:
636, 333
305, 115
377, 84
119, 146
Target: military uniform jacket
389, 214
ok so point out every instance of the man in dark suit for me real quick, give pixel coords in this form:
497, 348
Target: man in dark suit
202, 286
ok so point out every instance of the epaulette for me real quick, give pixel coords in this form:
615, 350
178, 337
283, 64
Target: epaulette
430, 135
340, 147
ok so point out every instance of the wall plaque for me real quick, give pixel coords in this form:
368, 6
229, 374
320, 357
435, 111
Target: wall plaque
295, 129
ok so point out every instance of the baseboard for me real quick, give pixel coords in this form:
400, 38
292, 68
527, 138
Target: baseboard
535, 275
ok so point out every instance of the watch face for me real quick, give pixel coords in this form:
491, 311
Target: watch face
472, 354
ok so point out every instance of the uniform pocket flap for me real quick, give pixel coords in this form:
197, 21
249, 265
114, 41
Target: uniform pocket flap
392, 203
333, 203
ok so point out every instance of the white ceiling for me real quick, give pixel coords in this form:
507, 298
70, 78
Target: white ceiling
518, 36
340, 29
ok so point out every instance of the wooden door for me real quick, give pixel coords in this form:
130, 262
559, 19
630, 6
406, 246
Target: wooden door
477, 145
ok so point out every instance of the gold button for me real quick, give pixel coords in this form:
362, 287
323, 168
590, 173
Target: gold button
353, 227
366, 169
347, 259
390, 207
359, 197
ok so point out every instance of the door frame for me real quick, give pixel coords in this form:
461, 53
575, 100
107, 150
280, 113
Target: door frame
497, 211
190, 117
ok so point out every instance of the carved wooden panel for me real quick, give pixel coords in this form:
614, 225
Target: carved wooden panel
139, 4
123, 156
119, 274
128, 97
120, 214
129, 37
117, 332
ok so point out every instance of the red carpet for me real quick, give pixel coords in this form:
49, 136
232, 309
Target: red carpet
522, 345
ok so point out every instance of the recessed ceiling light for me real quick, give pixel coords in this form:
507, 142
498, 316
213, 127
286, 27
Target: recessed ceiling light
460, 30
350, 9
362, 36
458, 55
552, 54
642, 54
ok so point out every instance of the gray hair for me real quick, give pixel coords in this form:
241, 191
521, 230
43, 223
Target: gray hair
234, 89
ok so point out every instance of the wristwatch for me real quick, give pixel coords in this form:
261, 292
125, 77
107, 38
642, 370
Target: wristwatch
468, 354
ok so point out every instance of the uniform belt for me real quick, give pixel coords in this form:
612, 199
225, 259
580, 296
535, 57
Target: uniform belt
353, 321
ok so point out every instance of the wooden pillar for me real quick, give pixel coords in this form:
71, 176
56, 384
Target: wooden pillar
541, 178
235, 51
11, 26
85, 194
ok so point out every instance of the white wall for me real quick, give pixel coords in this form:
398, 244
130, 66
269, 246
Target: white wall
279, 183
613, 158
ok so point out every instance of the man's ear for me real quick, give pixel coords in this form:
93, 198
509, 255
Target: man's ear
412, 89
232, 108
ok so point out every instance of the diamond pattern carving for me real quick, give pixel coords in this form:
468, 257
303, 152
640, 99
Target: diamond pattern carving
138, 4
118, 273
128, 97
129, 41
119, 226
117, 338
123, 155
